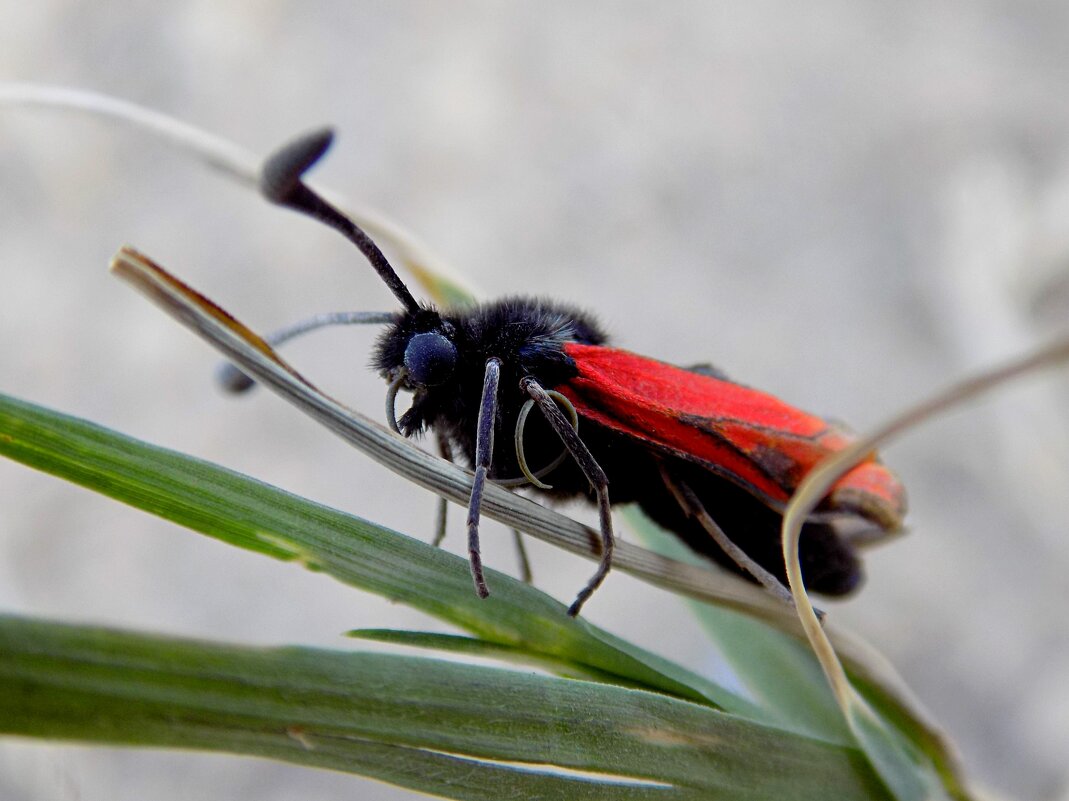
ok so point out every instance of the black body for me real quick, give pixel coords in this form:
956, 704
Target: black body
473, 371
528, 336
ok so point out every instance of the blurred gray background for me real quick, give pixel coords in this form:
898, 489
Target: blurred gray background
845, 203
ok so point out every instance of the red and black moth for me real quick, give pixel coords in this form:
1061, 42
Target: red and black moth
710, 460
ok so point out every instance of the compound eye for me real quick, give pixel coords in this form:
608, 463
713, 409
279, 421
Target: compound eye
430, 359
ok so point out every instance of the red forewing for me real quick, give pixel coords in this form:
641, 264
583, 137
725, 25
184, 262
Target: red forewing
749, 437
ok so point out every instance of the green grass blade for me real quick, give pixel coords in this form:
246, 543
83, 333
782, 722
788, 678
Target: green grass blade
252, 515
892, 728
759, 655
447, 728
475, 647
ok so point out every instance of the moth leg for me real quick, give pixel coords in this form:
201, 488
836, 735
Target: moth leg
484, 452
446, 452
599, 482
692, 505
521, 555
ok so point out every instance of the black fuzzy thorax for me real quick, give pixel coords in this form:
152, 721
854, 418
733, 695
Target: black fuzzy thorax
527, 335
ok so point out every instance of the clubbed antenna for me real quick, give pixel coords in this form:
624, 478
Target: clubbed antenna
280, 182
